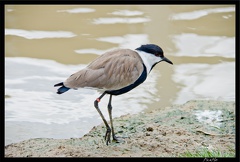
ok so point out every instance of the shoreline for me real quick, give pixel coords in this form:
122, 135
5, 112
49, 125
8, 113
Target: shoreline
164, 132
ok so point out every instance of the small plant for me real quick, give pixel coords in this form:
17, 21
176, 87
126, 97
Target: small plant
205, 152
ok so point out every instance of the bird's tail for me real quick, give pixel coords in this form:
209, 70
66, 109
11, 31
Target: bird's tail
61, 89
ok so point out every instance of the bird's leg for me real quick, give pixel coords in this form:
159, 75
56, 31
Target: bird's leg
110, 116
108, 132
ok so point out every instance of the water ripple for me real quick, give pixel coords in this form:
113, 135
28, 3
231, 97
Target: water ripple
200, 13
38, 34
115, 20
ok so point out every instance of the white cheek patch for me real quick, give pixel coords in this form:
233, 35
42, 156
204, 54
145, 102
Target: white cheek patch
148, 59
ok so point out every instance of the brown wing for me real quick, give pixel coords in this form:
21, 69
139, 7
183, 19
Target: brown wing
112, 70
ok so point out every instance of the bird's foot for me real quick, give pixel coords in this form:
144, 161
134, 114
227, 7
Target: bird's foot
107, 136
117, 139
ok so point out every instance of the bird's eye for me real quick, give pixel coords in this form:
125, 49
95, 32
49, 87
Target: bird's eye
157, 54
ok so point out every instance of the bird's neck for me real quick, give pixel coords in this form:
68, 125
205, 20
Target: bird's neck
148, 60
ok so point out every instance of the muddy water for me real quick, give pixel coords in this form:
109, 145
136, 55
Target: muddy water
45, 44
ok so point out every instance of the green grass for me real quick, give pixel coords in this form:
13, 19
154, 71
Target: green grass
205, 152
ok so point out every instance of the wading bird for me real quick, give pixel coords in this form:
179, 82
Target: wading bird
115, 72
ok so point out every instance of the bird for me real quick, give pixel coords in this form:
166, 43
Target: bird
115, 72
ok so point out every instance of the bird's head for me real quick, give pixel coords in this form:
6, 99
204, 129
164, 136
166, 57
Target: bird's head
151, 54
156, 53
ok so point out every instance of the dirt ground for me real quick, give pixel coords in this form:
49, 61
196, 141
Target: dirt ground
165, 132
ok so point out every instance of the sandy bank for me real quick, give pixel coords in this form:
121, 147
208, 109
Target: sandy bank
165, 132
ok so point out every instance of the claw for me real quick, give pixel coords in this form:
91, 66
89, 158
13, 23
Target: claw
116, 139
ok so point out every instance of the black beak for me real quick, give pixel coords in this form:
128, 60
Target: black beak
167, 60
